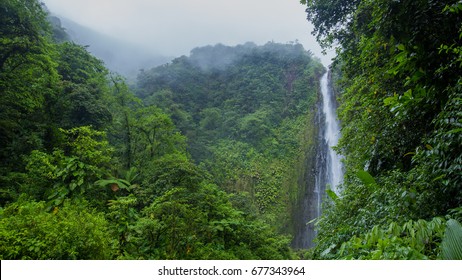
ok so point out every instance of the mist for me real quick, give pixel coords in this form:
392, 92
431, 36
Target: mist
119, 56
175, 27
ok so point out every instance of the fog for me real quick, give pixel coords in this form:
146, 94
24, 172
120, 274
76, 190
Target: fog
172, 28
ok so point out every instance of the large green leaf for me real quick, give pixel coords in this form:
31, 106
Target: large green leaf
451, 247
123, 184
366, 178
332, 195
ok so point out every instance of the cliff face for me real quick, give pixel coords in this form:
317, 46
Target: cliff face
310, 180
322, 169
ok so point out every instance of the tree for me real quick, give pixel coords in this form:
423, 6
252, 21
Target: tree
27, 76
21, 32
83, 95
156, 135
331, 18
124, 104
78, 66
70, 172
165, 173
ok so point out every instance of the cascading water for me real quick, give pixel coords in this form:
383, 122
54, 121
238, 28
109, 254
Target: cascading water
326, 170
331, 134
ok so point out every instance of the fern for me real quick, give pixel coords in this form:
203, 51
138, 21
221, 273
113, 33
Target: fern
451, 247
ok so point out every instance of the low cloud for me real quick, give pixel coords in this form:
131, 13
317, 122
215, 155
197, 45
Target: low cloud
174, 27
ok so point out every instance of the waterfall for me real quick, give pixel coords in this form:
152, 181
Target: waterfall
331, 134
324, 170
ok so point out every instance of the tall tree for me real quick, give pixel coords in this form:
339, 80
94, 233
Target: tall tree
27, 75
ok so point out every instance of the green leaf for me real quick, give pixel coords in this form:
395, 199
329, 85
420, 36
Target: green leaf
409, 154
457, 130
451, 246
123, 184
366, 178
80, 182
332, 195
390, 100
401, 47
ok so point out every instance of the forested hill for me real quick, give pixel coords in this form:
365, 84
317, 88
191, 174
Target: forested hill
247, 112
200, 164
240, 93
399, 78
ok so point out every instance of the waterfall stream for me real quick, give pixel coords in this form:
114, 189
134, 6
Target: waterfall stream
325, 169
331, 134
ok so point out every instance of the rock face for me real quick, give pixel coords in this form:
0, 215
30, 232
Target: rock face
323, 168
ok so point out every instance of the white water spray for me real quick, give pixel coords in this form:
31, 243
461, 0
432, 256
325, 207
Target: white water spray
331, 135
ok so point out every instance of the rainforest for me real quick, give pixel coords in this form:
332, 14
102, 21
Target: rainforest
217, 154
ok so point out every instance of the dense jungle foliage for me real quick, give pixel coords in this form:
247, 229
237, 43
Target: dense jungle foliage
247, 113
197, 161
203, 158
399, 83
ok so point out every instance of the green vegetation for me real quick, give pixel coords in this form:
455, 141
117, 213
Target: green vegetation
245, 112
399, 65
204, 157
202, 163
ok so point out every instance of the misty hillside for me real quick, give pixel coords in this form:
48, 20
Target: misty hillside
119, 56
247, 114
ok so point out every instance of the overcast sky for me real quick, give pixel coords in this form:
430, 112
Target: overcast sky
174, 27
